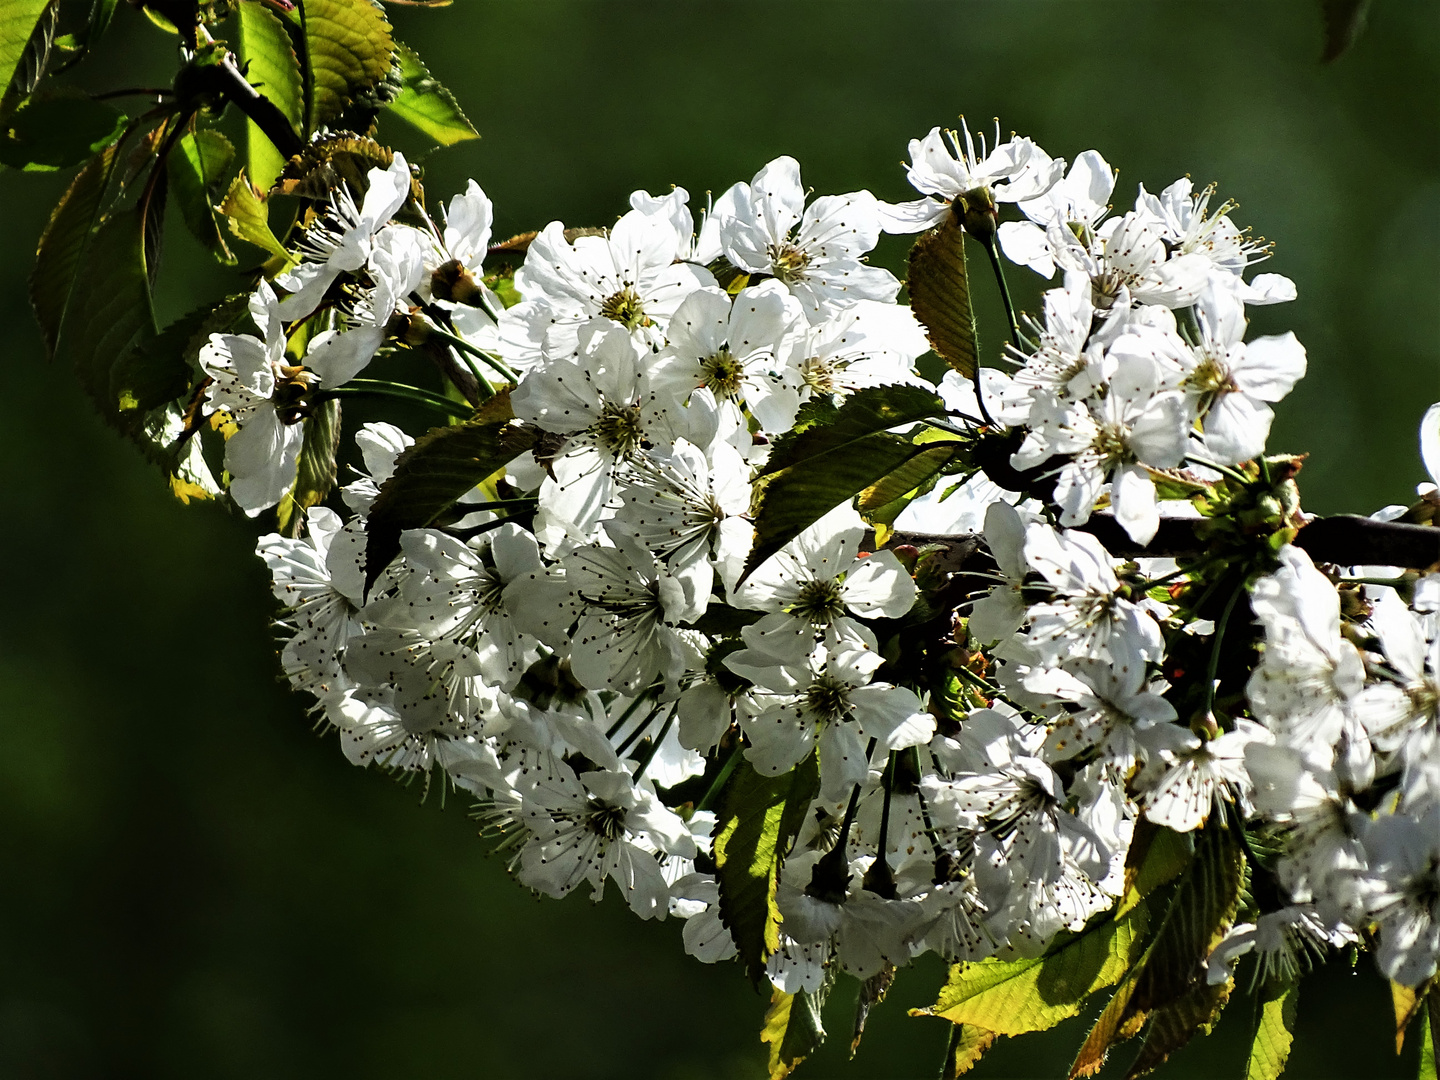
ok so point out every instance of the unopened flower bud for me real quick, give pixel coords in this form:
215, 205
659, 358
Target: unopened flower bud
977, 211
454, 282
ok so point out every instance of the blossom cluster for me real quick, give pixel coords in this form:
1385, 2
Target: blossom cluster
586, 650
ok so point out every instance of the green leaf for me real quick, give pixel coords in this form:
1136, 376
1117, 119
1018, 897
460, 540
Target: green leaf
316, 469
1012, 997
54, 133
18, 19
1201, 911
348, 50
63, 242
966, 1047
939, 287
1175, 1024
272, 68
110, 306
793, 1028
882, 502
833, 456
33, 61
1157, 856
426, 104
198, 165
249, 218
430, 476
1274, 1030
160, 369
758, 818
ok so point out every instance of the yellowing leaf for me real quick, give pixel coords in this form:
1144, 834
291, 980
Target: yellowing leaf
1175, 1024
249, 218
967, 1046
1012, 997
1274, 1031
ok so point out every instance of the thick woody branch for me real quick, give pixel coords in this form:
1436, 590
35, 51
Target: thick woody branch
228, 81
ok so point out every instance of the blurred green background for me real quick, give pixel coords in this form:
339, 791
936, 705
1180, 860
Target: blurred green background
193, 884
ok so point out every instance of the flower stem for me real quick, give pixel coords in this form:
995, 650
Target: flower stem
1214, 665
994, 252
1224, 470
720, 778
399, 391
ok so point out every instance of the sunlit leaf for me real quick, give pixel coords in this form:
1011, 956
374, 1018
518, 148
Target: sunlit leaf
49, 133
1012, 997
63, 242
18, 19
1202, 908
198, 165
426, 104
1407, 1001
757, 819
939, 287
793, 1028
272, 68
34, 58
966, 1047
883, 501
249, 218
348, 50
1157, 855
831, 456
431, 475
1274, 1030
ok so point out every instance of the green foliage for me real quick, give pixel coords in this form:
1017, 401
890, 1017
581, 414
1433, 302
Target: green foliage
882, 502
160, 369
249, 218
1175, 1024
316, 468
966, 1047
832, 457
939, 285
757, 819
348, 51
793, 1028
198, 165
426, 104
1201, 910
49, 133
32, 63
1157, 855
18, 22
110, 305
1012, 997
1274, 1030
63, 242
271, 67
1427, 1044
430, 476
